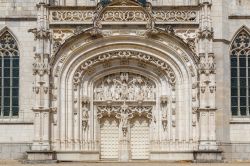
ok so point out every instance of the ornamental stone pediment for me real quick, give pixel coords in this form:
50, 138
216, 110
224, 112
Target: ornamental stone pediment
114, 13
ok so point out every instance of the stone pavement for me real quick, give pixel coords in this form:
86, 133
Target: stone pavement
15, 163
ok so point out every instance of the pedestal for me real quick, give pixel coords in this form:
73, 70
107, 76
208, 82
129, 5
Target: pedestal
41, 157
208, 156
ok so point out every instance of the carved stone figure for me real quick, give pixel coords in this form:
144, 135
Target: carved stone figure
124, 87
85, 117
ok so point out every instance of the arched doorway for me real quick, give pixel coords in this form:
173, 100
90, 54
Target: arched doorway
124, 103
124, 100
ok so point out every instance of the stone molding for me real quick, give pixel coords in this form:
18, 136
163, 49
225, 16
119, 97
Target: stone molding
160, 16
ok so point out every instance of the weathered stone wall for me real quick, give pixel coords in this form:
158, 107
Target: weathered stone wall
10, 8
233, 134
14, 151
15, 140
16, 134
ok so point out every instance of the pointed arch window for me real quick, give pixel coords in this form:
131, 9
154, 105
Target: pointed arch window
9, 76
240, 74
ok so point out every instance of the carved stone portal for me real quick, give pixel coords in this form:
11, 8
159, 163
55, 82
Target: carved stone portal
127, 99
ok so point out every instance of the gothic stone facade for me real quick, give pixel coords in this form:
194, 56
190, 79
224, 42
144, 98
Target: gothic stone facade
125, 80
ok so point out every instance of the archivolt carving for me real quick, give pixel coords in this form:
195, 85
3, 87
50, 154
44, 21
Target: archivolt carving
124, 54
59, 36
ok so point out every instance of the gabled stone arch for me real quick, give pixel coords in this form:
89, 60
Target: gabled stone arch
112, 13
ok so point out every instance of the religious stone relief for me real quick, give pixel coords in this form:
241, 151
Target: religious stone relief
125, 87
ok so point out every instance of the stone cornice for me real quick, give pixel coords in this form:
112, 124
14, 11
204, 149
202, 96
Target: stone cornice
18, 18
239, 17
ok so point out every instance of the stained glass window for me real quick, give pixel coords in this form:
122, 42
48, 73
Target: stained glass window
240, 74
9, 76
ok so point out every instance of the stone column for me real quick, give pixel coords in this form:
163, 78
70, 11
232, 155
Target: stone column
207, 150
41, 148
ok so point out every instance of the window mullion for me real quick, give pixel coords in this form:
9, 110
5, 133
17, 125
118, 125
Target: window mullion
2, 94
247, 93
11, 85
238, 83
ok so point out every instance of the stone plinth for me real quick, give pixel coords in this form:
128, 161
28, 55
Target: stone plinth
37, 156
208, 156
172, 156
78, 156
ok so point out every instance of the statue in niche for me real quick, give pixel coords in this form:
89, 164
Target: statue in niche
164, 104
85, 117
165, 118
124, 119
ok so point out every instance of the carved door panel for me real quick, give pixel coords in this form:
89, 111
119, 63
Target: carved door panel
140, 138
109, 138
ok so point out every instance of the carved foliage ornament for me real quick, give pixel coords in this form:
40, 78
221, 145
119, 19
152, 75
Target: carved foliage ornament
124, 54
159, 16
175, 16
124, 112
71, 16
